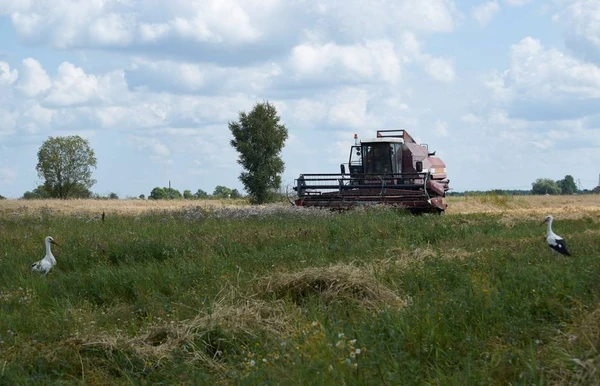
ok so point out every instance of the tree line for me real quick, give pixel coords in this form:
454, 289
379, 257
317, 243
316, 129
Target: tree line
541, 186
172, 193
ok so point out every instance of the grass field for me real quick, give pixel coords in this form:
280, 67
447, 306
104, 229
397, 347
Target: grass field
202, 292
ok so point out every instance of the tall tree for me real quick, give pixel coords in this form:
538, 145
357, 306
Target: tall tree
259, 139
567, 185
65, 165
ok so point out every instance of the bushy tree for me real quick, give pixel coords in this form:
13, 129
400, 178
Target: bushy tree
113, 196
222, 192
173, 193
65, 164
235, 193
259, 138
2, 197
142, 196
545, 186
158, 194
36, 194
567, 185
200, 194
164, 193
187, 194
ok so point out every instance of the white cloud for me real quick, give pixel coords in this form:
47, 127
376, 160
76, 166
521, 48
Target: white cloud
470, 118
69, 23
546, 82
112, 30
349, 108
517, 3
387, 17
62, 23
182, 27
7, 76
485, 12
153, 32
186, 77
34, 118
9, 6
441, 129
439, 68
551, 73
581, 25
72, 86
374, 60
33, 80
218, 21
156, 147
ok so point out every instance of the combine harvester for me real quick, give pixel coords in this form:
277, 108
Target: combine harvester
391, 169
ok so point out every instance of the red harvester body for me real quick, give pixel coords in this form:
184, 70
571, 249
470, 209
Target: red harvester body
391, 169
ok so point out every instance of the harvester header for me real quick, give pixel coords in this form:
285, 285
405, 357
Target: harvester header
390, 169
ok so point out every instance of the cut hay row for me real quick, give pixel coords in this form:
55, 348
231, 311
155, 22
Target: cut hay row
511, 206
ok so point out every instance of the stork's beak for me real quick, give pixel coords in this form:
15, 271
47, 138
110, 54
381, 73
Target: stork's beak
55, 243
543, 222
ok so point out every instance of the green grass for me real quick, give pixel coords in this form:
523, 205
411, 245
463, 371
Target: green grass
363, 297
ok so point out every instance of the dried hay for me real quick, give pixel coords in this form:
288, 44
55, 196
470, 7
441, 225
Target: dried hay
403, 258
199, 338
340, 282
91, 207
573, 206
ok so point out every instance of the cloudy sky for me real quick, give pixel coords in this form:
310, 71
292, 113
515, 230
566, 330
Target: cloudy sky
505, 91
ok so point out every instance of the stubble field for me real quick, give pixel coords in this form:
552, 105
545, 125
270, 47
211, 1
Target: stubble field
208, 292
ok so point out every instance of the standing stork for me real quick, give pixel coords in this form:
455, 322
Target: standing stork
45, 265
554, 241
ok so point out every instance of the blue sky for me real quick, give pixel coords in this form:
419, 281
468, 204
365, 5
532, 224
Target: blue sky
506, 91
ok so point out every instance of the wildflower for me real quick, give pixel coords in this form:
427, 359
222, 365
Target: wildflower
352, 355
264, 360
341, 335
352, 342
357, 351
252, 363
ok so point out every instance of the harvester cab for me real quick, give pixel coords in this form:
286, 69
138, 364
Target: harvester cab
391, 169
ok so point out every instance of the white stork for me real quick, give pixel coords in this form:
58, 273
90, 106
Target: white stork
45, 265
554, 241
